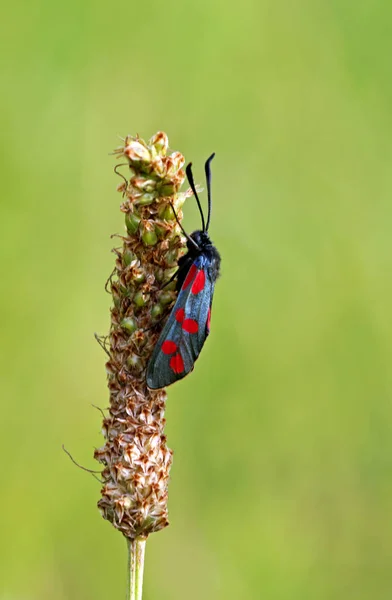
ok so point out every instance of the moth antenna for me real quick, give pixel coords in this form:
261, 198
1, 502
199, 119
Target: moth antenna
188, 237
208, 178
189, 174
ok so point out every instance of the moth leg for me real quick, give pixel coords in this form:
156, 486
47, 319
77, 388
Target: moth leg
172, 278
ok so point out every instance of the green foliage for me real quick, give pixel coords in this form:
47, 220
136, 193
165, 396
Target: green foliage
281, 484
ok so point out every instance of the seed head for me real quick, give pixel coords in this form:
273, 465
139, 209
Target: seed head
136, 460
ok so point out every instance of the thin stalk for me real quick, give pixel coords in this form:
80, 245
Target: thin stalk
136, 550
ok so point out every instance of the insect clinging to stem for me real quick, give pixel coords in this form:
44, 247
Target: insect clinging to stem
188, 324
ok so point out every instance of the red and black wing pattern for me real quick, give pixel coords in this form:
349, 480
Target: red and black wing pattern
186, 329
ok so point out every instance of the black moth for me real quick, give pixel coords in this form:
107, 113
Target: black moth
188, 324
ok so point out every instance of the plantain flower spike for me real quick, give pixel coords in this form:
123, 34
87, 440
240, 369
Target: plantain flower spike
136, 460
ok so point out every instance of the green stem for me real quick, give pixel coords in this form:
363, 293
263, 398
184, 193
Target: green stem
136, 550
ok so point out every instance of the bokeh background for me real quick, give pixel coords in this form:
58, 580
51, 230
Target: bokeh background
281, 484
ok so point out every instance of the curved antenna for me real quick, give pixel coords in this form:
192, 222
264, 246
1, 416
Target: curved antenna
208, 177
189, 174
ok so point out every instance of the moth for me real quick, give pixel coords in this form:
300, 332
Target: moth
188, 323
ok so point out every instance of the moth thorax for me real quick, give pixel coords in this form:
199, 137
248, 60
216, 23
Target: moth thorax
201, 238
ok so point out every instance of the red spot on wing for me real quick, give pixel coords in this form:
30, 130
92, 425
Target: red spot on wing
169, 347
191, 274
180, 315
199, 283
208, 320
190, 325
176, 363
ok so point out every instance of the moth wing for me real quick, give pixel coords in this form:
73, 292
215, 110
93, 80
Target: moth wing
186, 329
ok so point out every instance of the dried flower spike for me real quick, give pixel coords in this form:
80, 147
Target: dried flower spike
135, 456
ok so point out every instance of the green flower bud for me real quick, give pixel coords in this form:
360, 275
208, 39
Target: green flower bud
144, 185
128, 324
132, 221
156, 311
135, 363
171, 257
160, 230
177, 161
159, 275
159, 167
168, 189
128, 257
160, 142
123, 289
145, 200
136, 152
173, 168
166, 297
165, 212
138, 276
149, 236
140, 299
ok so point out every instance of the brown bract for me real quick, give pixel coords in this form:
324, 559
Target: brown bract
135, 456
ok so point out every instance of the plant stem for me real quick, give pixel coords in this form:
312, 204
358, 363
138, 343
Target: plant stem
136, 550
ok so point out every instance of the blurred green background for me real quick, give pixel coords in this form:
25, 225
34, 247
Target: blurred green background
281, 484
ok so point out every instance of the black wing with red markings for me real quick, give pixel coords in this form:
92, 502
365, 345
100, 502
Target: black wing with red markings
187, 327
